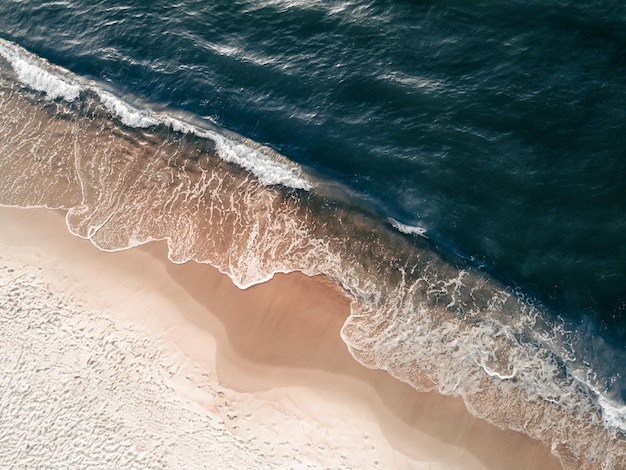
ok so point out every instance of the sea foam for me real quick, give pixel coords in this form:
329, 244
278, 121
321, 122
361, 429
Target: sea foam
267, 165
408, 229
30, 71
129, 115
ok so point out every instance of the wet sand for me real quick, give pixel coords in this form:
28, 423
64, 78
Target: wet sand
274, 350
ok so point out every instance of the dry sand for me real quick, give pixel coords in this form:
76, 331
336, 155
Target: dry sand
206, 375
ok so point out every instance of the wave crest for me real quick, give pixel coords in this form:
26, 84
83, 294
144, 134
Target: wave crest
267, 165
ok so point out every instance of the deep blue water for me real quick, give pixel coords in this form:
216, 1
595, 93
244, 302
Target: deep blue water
499, 128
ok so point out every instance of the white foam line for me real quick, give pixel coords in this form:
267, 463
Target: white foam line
613, 414
493, 373
31, 71
263, 166
130, 116
268, 166
408, 229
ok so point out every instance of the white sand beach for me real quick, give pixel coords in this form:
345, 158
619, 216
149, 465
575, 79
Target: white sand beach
120, 360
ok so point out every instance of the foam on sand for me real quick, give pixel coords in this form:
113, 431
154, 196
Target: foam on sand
168, 365
408, 229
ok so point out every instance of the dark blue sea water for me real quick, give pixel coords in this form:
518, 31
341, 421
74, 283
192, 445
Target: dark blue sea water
490, 134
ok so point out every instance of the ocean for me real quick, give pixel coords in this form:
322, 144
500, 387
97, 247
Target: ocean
458, 168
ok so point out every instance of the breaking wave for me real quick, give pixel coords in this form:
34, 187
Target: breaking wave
268, 166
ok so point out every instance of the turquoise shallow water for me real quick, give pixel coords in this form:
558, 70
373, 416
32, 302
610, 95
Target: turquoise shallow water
496, 131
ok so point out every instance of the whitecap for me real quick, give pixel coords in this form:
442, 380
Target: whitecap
408, 229
32, 72
268, 166
129, 115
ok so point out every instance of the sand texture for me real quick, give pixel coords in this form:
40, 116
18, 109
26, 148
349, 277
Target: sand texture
126, 360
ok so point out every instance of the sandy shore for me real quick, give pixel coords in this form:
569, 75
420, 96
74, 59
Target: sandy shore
265, 366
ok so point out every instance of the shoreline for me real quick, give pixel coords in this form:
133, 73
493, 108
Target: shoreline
275, 343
